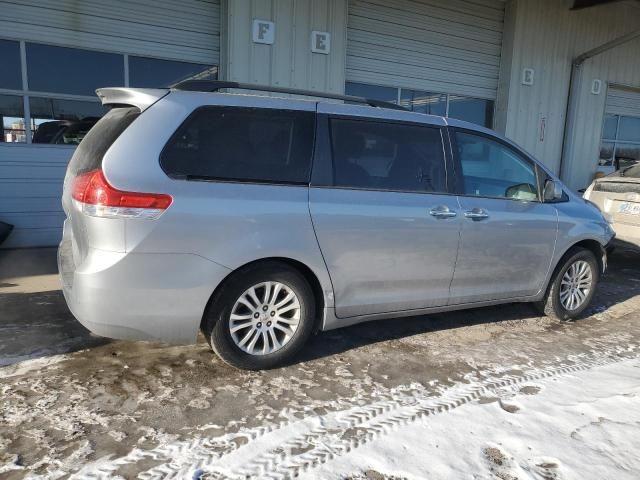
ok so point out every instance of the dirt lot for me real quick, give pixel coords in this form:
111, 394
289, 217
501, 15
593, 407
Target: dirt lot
71, 402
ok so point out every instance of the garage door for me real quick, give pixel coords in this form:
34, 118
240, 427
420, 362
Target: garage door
448, 47
623, 101
123, 43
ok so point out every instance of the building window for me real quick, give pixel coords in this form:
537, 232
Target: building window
155, 73
474, 110
469, 109
620, 146
10, 73
62, 122
72, 70
372, 92
56, 103
12, 117
424, 102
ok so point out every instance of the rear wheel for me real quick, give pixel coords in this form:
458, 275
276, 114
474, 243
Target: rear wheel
261, 317
573, 286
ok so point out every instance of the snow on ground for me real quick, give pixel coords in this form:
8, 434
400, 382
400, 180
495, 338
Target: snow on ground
569, 421
586, 426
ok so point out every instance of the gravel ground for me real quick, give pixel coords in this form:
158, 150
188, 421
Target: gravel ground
74, 403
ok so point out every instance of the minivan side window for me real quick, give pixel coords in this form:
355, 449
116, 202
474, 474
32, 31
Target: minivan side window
387, 156
242, 144
492, 169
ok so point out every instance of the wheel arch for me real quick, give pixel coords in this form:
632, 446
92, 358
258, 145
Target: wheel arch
594, 246
302, 268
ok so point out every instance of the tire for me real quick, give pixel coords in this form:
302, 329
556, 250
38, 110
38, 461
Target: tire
552, 305
235, 348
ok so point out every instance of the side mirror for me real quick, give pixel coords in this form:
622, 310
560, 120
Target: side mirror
552, 191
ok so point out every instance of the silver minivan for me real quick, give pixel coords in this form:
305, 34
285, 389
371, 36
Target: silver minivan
260, 220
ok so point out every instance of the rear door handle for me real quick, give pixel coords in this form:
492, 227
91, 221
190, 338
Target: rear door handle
476, 214
442, 211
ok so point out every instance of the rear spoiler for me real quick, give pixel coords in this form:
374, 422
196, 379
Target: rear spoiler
142, 98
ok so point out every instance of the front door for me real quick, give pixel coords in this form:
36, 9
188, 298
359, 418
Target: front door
508, 236
387, 227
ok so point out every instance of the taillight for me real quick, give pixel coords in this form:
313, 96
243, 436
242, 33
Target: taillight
99, 199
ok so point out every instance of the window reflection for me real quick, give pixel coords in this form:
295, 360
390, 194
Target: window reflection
10, 71
62, 122
620, 145
424, 102
474, 110
155, 73
606, 154
72, 70
12, 118
372, 92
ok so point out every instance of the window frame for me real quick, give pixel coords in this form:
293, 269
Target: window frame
215, 179
459, 179
323, 176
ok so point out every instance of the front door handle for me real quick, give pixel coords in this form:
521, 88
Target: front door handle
442, 211
476, 214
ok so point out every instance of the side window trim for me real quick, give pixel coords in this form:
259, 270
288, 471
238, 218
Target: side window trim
459, 177
323, 175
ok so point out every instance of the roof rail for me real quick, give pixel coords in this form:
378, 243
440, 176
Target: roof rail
215, 85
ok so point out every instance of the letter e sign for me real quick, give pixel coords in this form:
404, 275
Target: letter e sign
320, 42
263, 31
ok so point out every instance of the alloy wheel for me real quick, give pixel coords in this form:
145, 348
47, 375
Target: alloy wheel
575, 285
265, 318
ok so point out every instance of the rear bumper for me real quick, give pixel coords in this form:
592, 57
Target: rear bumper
134, 296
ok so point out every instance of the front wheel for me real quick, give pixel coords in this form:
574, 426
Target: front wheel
573, 286
262, 317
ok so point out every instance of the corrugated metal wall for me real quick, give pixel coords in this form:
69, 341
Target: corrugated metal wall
289, 61
30, 190
547, 35
623, 101
184, 30
31, 175
448, 47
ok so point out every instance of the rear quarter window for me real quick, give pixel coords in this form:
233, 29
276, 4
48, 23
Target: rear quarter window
242, 144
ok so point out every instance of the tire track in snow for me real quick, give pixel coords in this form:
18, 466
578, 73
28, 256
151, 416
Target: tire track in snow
286, 449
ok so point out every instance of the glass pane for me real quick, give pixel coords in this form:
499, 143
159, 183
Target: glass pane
71, 70
627, 154
491, 169
610, 127
629, 129
243, 144
474, 110
58, 121
12, 116
387, 156
373, 92
424, 102
154, 73
10, 73
606, 154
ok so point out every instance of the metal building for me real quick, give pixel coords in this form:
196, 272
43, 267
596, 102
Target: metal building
560, 77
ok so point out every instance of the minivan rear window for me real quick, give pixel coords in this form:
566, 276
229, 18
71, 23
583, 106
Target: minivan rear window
242, 144
88, 155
